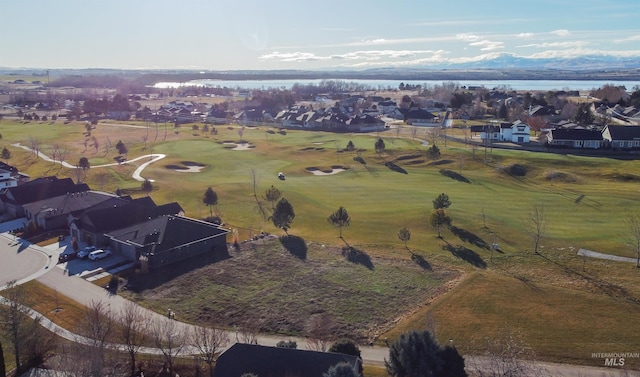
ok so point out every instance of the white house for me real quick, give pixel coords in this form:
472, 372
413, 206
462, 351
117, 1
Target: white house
516, 132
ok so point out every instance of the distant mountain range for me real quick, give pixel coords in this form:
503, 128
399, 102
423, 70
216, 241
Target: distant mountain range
580, 63
500, 66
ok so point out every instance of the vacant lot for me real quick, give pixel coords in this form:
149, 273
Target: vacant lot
278, 286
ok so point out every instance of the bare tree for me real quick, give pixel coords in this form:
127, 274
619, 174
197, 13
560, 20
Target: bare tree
98, 328
34, 144
506, 355
634, 227
210, 342
320, 332
133, 327
247, 334
14, 318
535, 225
254, 184
169, 336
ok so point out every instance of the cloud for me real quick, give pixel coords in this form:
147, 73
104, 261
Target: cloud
577, 52
468, 37
561, 32
292, 56
488, 45
628, 39
368, 55
525, 35
556, 44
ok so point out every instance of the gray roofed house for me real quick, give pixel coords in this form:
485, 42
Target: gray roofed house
167, 239
58, 212
13, 199
575, 138
266, 361
92, 224
622, 137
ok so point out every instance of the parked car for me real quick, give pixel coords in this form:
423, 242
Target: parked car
86, 251
99, 254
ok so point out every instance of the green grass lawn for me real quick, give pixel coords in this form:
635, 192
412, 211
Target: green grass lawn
587, 202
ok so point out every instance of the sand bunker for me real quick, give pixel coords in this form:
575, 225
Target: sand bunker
334, 170
239, 146
187, 167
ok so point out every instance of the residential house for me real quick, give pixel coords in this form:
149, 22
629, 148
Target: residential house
217, 116
92, 225
58, 212
167, 239
13, 199
364, 123
10, 176
274, 361
575, 138
516, 132
622, 137
419, 117
387, 106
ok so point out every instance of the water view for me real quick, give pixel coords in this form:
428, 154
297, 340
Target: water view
393, 84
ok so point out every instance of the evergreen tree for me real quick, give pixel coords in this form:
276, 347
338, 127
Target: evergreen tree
210, 199
418, 354
283, 215
340, 219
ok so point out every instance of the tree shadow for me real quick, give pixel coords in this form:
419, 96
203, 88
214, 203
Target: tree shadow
395, 167
455, 176
466, 255
420, 261
360, 160
469, 237
357, 256
295, 246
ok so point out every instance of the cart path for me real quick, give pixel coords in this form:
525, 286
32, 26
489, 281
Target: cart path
136, 174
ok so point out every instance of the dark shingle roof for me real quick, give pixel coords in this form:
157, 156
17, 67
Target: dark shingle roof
273, 361
42, 188
575, 134
73, 203
624, 132
168, 231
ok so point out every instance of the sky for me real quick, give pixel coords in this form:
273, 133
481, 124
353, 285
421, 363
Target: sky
288, 34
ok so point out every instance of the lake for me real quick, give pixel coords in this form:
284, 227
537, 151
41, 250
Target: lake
393, 84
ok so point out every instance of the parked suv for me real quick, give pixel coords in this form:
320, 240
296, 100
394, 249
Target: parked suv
86, 251
99, 254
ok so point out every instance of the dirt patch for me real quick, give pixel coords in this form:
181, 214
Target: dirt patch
560, 176
440, 162
326, 171
516, 170
624, 177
